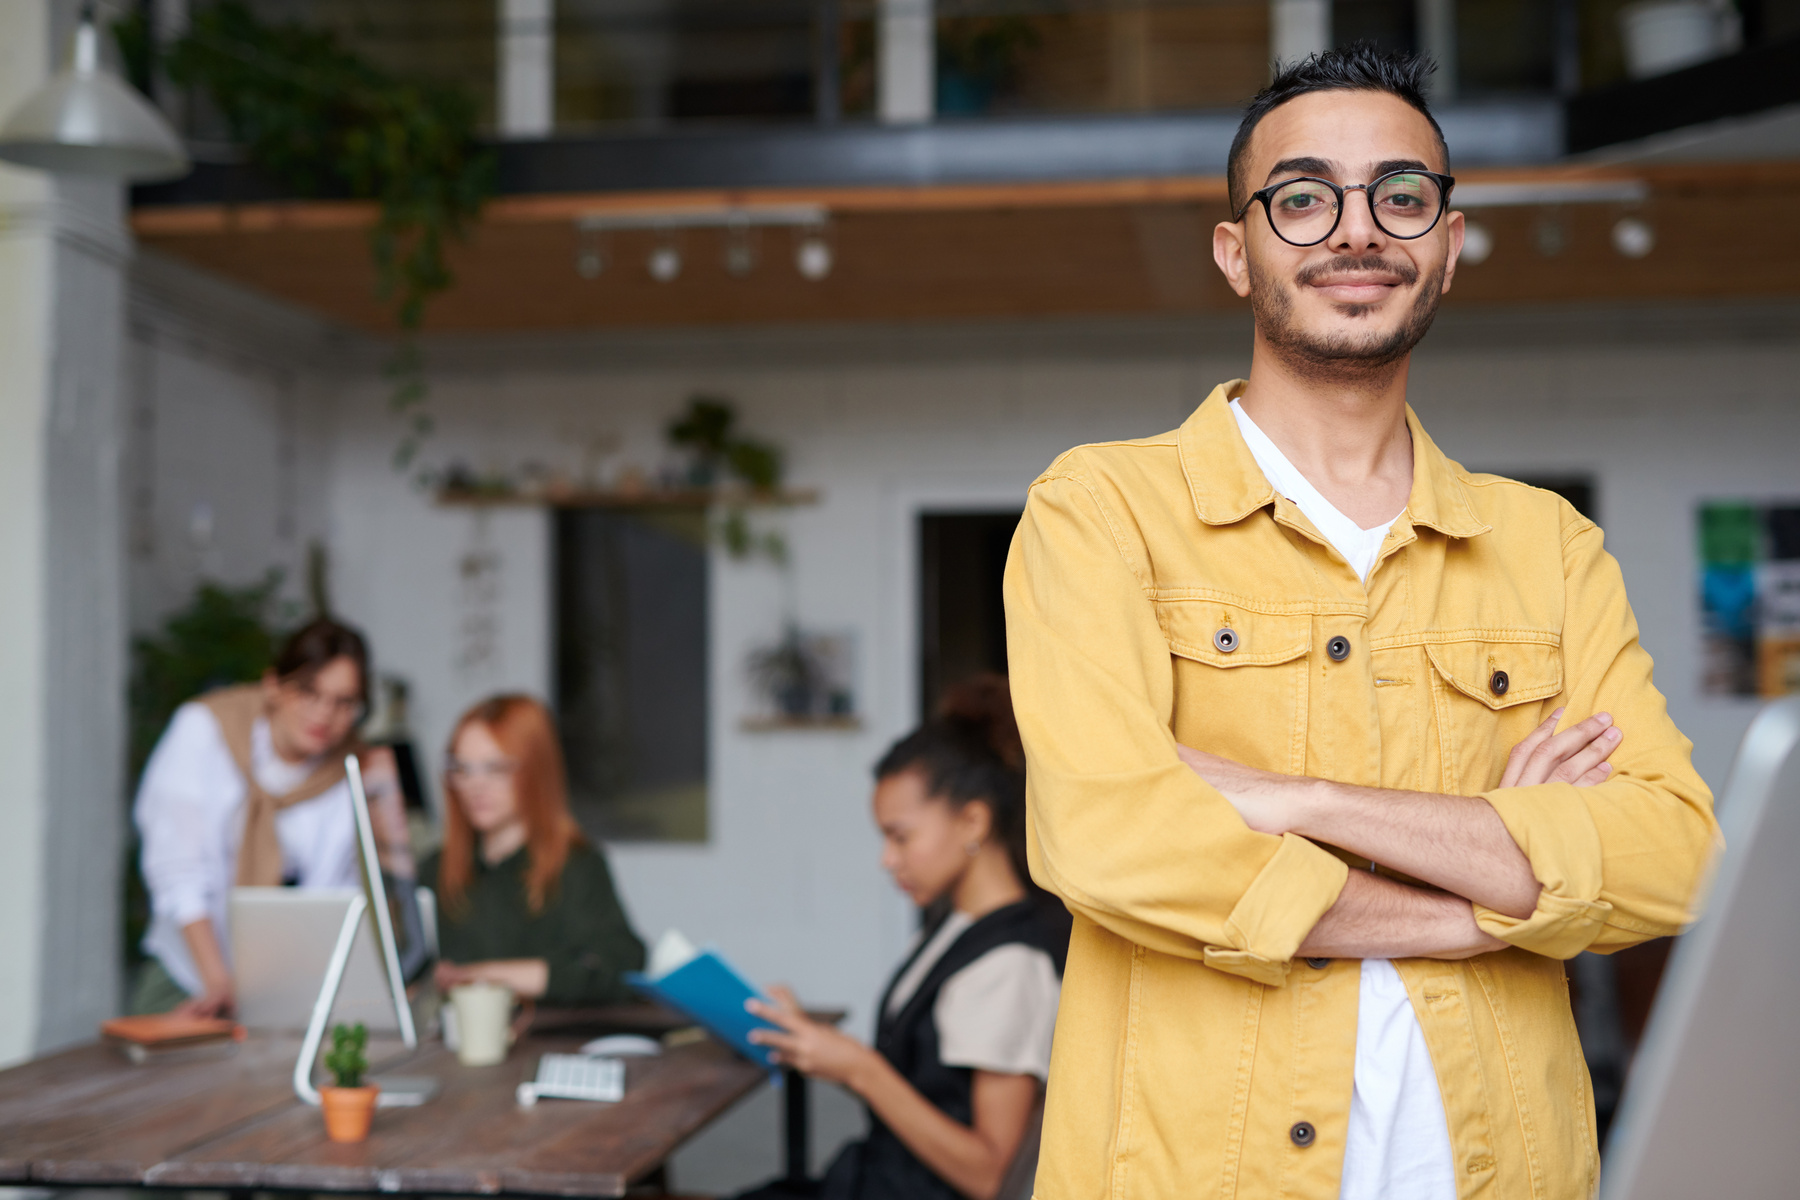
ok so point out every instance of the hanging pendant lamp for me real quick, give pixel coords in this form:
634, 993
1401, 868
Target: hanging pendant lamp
86, 121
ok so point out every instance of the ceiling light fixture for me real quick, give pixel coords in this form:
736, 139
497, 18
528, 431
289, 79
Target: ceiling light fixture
85, 121
1478, 244
1633, 237
740, 248
665, 261
590, 254
813, 256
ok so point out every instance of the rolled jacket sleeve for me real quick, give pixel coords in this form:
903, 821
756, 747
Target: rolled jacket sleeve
1620, 861
1118, 826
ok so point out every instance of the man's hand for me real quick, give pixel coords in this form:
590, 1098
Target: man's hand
1577, 755
808, 1046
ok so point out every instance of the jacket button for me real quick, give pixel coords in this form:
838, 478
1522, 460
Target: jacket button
1318, 964
1338, 648
1225, 641
1499, 683
1303, 1134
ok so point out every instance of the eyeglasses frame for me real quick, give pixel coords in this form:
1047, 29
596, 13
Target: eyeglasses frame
1444, 182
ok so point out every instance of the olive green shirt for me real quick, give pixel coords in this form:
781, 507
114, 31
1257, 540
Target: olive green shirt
581, 933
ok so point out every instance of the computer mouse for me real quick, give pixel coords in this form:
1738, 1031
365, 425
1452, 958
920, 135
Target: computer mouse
622, 1045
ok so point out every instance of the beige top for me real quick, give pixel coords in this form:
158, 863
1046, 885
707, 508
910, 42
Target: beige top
996, 1014
259, 860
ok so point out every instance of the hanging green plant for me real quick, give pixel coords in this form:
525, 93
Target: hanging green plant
321, 120
707, 431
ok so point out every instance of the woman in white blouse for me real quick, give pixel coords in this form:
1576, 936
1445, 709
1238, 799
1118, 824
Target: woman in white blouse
246, 788
964, 1029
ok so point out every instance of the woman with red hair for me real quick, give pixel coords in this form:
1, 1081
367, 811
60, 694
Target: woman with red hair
524, 899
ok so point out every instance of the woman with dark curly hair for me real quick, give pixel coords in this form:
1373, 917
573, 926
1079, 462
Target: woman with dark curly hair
963, 1030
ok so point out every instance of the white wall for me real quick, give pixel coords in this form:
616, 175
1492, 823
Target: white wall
226, 418
1663, 407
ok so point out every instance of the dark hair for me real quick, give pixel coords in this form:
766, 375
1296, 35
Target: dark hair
317, 643
1359, 67
971, 751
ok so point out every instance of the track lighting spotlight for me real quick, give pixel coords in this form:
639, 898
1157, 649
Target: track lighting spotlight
665, 262
1633, 237
813, 256
1477, 245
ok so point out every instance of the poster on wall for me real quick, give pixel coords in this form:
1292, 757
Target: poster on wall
1750, 597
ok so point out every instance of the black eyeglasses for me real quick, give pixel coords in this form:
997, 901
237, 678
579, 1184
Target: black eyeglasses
1306, 211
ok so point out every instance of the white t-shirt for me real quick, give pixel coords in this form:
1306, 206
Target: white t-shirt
1398, 1146
189, 814
996, 1014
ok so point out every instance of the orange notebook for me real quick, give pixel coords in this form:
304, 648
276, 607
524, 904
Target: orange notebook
143, 1038
161, 1029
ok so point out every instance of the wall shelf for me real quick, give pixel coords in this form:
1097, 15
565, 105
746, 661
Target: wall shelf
778, 724
627, 498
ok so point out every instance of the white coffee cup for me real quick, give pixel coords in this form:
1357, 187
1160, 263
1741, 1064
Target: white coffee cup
483, 1022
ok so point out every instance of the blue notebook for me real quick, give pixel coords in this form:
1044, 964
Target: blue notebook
700, 984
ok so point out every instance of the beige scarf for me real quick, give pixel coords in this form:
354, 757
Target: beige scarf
259, 858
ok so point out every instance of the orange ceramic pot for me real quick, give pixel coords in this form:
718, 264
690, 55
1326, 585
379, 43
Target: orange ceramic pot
348, 1112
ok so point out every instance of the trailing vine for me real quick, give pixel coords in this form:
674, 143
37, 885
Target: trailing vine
708, 431
321, 120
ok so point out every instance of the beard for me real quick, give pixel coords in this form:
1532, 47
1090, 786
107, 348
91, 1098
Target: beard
1347, 355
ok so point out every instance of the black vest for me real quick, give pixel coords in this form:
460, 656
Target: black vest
883, 1168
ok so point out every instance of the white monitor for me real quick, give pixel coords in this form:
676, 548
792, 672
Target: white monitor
281, 944
386, 897
1713, 1103
283, 941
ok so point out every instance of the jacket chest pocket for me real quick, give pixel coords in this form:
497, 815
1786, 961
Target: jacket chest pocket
1486, 696
1240, 680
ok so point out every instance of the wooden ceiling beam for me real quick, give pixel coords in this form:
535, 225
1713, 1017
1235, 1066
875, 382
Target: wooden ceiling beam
298, 215
970, 252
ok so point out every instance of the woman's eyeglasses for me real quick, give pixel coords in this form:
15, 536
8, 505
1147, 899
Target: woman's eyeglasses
1306, 211
340, 707
459, 771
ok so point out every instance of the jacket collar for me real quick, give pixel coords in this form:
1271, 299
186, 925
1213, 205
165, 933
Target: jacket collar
1228, 486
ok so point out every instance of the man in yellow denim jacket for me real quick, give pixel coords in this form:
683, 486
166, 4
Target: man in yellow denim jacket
1226, 722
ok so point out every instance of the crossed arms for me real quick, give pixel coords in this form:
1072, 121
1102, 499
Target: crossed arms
1457, 843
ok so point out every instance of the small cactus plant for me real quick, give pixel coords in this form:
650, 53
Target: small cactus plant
346, 1060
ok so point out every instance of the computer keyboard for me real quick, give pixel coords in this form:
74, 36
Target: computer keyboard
575, 1077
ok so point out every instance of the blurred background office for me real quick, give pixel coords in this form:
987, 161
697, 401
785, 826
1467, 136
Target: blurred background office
705, 348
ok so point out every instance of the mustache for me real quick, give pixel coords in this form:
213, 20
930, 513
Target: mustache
1402, 270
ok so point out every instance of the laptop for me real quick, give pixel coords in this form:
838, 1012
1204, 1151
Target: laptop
281, 943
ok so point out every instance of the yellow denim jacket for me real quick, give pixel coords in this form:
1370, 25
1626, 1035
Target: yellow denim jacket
1159, 591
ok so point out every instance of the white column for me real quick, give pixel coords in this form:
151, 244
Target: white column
527, 68
26, 257
63, 250
906, 74
1437, 40
1298, 28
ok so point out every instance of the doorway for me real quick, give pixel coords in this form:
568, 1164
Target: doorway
962, 618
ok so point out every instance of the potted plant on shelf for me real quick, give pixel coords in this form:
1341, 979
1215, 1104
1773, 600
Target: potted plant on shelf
350, 1106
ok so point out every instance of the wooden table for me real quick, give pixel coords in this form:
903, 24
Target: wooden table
88, 1117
